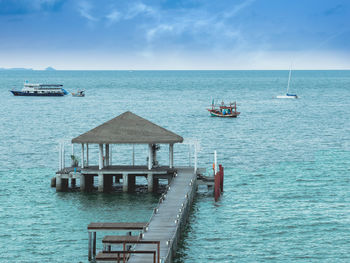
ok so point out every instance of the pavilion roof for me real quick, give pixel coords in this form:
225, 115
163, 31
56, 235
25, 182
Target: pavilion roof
128, 128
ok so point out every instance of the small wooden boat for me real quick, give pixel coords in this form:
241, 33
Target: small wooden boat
79, 93
225, 111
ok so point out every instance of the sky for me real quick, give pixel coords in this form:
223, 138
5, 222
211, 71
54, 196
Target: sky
175, 34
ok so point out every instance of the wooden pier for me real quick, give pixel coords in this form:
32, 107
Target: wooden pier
165, 225
157, 239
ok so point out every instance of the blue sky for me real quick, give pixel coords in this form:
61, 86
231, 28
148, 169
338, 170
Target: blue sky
177, 34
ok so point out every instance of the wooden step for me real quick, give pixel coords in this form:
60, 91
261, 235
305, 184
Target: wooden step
119, 239
103, 256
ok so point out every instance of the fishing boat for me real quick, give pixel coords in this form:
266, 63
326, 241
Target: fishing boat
30, 89
288, 95
225, 111
79, 93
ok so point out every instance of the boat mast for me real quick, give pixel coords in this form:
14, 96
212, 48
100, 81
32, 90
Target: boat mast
290, 73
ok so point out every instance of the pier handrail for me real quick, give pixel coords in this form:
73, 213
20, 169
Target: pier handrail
175, 232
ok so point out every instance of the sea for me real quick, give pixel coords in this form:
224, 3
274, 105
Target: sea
286, 161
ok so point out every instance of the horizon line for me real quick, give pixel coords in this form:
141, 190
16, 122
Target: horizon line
31, 69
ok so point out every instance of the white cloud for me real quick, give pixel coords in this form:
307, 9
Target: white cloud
113, 17
151, 33
238, 8
138, 9
85, 11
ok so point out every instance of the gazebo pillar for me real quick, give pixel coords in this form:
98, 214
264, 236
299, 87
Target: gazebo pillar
100, 156
150, 157
110, 155
107, 154
154, 154
82, 155
87, 154
171, 155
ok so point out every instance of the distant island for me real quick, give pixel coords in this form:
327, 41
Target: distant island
19, 69
16, 69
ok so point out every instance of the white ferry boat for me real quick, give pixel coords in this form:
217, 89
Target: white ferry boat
30, 89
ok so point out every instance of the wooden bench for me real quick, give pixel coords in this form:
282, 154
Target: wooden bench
108, 226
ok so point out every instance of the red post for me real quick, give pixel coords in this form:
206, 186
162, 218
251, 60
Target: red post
221, 177
217, 186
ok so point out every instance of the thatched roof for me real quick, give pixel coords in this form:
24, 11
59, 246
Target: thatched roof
128, 128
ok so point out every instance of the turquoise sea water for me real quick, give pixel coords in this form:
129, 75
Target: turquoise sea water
286, 162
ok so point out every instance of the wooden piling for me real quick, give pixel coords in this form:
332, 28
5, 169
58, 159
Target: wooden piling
125, 182
221, 178
155, 185
150, 182
217, 186
86, 182
94, 244
117, 179
53, 182
131, 183
73, 182
107, 183
100, 182
89, 253
61, 184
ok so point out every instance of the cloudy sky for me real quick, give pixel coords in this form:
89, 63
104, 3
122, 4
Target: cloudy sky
175, 34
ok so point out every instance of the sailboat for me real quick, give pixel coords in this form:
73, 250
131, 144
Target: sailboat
288, 95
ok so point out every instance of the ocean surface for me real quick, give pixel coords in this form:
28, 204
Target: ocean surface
287, 163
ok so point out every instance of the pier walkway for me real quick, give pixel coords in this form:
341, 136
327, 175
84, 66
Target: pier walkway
169, 217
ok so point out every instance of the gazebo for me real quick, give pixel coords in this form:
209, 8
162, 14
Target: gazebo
127, 128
